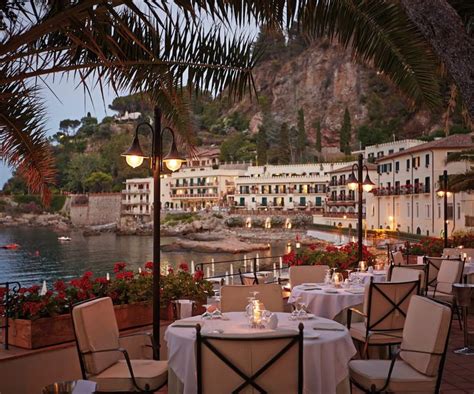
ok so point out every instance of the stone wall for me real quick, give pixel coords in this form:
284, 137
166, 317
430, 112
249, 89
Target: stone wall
95, 209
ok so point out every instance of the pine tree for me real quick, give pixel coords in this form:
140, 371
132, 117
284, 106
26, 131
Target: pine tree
345, 133
262, 146
317, 126
302, 140
284, 153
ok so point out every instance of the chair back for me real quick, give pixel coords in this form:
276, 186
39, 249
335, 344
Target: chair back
433, 264
450, 272
234, 297
270, 362
426, 335
247, 279
307, 274
386, 304
452, 253
397, 258
407, 273
95, 328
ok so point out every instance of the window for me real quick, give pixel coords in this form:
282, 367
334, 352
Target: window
408, 209
427, 184
390, 151
439, 211
458, 211
417, 210
373, 210
427, 160
397, 166
408, 164
428, 211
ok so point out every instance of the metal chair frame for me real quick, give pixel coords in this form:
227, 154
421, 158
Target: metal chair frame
295, 340
424, 269
374, 389
395, 306
126, 356
11, 290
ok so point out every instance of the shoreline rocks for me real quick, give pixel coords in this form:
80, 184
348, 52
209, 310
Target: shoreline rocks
226, 245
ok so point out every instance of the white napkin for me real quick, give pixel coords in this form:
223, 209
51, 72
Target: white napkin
185, 308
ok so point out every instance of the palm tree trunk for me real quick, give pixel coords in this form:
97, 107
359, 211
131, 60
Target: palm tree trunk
443, 28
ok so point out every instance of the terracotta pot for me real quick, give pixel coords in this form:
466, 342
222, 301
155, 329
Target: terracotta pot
32, 334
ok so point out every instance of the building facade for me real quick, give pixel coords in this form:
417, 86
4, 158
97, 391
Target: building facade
405, 198
292, 187
373, 152
137, 198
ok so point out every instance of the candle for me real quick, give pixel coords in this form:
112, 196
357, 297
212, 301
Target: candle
139, 270
232, 270
107, 276
258, 263
274, 269
227, 277
208, 272
362, 266
337, 278
245, 264
213, 267
192, 267
281, 263
464, 256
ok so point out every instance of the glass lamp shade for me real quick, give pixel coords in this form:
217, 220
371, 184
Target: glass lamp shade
449, 194
134, 161
173, 164
440, 193
352, 182
368, 185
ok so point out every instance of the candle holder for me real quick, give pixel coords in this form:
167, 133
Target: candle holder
362, 266
337, 279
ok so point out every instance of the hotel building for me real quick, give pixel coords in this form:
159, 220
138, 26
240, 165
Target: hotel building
292, 187
405, 197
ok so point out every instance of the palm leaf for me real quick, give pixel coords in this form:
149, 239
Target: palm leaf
22, 141
461, 182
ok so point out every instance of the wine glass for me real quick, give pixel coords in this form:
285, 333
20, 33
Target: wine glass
206, 315
302, 310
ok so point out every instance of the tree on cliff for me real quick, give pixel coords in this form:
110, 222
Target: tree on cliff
98, 182
262, 146
69, 126
317, 127
302, 139
284, 152
345, 133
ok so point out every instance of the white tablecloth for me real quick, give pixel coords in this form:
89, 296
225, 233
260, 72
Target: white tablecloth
468, 268
325, 358
324, 304
379, 276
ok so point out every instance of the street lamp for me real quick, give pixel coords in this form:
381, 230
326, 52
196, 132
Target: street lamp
355, 183
444, 193
134, 157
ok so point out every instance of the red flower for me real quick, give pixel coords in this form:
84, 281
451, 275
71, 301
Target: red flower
118, 267
102, 280
170, 270
198, 275
59, 285
124, 275
87, 274
149, 265
184, 267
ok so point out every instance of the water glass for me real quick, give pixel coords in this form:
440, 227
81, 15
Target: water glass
206, 315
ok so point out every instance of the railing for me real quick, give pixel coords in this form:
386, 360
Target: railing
260, 210
137, 191
195, 195
348, 215
402, 190
11, 290
252, 266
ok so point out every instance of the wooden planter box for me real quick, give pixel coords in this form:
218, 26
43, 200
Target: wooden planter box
33, 334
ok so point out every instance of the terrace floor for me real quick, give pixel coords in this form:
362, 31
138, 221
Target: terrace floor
458, 377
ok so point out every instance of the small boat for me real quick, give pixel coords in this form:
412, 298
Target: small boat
11, 246
64, 239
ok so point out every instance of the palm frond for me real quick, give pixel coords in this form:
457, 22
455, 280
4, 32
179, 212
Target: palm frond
461, 182
464, 155
379, 33
23, 144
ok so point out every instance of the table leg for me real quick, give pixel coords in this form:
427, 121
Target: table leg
466, 350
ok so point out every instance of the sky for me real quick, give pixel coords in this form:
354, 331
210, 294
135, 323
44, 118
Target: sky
73, 103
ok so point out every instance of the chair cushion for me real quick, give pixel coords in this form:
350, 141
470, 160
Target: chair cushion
117, 377
438, 295
234, 298
358, 332
404, 378
307, 273
96, 329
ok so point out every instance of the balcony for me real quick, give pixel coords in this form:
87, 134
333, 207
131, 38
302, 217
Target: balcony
196, 195
402, 190
341, 200
136, 191
347, 215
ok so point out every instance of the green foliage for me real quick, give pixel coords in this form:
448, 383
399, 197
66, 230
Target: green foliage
317, 127
80, 168
98, 182
172, 219
345, 133
277, 221
88, 125
69, 126
262, 146
283, 151
302, 140
237, 147
132, 103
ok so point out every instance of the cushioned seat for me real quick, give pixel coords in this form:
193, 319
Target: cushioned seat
404, 378
307, 274
234, 297
358, 331
440, 296
117, 377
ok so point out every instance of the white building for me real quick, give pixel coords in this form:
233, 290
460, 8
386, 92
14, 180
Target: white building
289, 187
373, 152
405, 198
137, 198
341, 205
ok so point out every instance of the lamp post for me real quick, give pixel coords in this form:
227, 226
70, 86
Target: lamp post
356, 183
173, 161
444, 193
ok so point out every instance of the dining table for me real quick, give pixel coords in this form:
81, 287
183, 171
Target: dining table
326, 300
327, 349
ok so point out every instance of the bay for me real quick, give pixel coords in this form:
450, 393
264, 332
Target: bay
41, 256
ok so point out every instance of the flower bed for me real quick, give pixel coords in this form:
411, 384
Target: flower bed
342, 258
41, 320
430, 246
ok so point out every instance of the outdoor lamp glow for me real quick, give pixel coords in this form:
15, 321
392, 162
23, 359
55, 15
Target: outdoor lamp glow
134, 161
134, 155
368, 185
440, 193
352, 182
173, 160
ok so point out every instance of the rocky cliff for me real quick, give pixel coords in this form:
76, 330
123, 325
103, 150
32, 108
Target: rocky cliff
323, 80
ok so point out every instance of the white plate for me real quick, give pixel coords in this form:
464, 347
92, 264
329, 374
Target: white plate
310, 284
311, 334
331, 291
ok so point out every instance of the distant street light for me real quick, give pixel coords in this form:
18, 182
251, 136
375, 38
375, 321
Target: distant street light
355, 183
444, 193
173, 161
